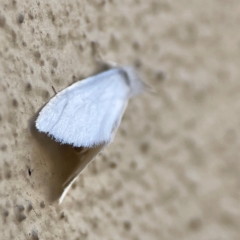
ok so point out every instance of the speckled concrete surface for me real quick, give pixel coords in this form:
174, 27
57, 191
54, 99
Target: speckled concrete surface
173, 170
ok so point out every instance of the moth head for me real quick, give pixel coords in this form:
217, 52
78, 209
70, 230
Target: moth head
134, 81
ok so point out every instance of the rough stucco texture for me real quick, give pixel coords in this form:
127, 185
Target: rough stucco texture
173, 170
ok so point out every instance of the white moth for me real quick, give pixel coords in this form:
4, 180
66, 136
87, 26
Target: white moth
88, 113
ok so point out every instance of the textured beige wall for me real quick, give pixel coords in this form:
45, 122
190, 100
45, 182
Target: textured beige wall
173, 171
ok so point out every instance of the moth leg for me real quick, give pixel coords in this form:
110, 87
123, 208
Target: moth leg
106, 65
80, 150
53, 88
